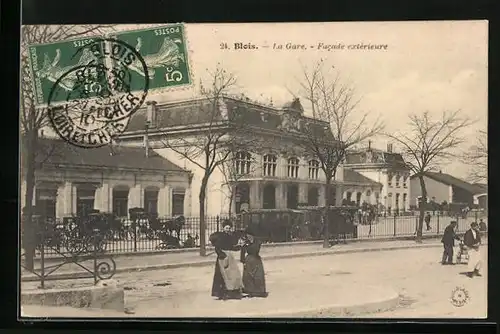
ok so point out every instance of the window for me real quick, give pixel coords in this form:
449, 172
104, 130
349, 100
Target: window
313, 197
389, 200
358, 199
398, 177
151, 201
270, 165
46, 202
404, 201
313, 169
178, 203
120, 203
377, 197
84, 201
242, 163
293, 168
368, 193
405, 178
348, 196
389, 179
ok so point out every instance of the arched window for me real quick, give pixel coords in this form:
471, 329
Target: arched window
313, 169
151, 200
270, 162
293, 168
242, 162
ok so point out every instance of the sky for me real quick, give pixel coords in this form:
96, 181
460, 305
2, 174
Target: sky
427, 66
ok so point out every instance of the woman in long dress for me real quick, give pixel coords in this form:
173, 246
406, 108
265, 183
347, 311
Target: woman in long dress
227, 282
254, 280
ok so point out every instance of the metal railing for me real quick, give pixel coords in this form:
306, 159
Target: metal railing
143, 235
85, 250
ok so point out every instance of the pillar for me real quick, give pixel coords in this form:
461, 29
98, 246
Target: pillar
136, 197
280, 193
66, 200
255, 195
163, 201
339, 194
103, 198
321, 193
303, 193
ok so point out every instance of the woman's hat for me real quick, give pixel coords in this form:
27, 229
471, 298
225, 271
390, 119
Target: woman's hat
227, 222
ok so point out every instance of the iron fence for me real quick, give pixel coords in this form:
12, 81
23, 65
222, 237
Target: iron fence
84, 251
144, 235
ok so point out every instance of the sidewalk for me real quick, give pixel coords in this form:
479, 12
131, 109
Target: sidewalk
189, 259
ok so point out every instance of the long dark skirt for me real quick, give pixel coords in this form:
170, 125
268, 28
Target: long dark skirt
219, 289
254, 280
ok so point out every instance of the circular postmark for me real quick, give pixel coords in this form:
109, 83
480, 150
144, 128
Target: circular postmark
459, 297
99, 94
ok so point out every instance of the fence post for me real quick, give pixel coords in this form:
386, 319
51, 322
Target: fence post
94, 239
42, 259
136, 226
475, 216
218, 222
394, 225
438, 223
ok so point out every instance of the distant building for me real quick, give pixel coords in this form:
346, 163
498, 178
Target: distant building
387, 168
73, 181
444, 187
272, 171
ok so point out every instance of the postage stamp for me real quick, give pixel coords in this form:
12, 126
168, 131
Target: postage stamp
50, 61
165, 54
98, 94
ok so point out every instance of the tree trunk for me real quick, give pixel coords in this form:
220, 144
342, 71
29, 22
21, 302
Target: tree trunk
203, 241
28, 226
423, 205
326, 222
231, 199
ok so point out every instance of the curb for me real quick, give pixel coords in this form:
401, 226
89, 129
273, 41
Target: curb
202, 263
339, 310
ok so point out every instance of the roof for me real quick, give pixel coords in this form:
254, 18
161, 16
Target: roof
199, 111
355, 177
453, 181
59, 152
482, 186
375, 156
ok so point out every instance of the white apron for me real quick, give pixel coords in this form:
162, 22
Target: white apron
475, 260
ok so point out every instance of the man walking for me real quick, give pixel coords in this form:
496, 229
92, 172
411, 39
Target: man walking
472, 240
448, 241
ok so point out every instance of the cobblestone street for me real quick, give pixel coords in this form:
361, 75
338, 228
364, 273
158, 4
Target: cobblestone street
424, 285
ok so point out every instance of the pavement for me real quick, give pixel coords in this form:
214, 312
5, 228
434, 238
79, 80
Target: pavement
174, 260
332, 285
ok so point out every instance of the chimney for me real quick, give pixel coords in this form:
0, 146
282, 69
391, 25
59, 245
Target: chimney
389, 148
151, 114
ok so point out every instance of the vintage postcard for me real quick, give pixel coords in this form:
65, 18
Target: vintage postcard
261, 170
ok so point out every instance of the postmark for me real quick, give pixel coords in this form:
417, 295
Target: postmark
164, 51
459, 297
96, 100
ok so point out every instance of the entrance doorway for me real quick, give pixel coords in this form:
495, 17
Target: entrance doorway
269, 197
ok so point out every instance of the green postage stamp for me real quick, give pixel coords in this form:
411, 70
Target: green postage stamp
164, 51
51, 63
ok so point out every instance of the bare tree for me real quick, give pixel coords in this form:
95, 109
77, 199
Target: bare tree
477, 158
427, 144
34, 118
221, 133
333, 104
